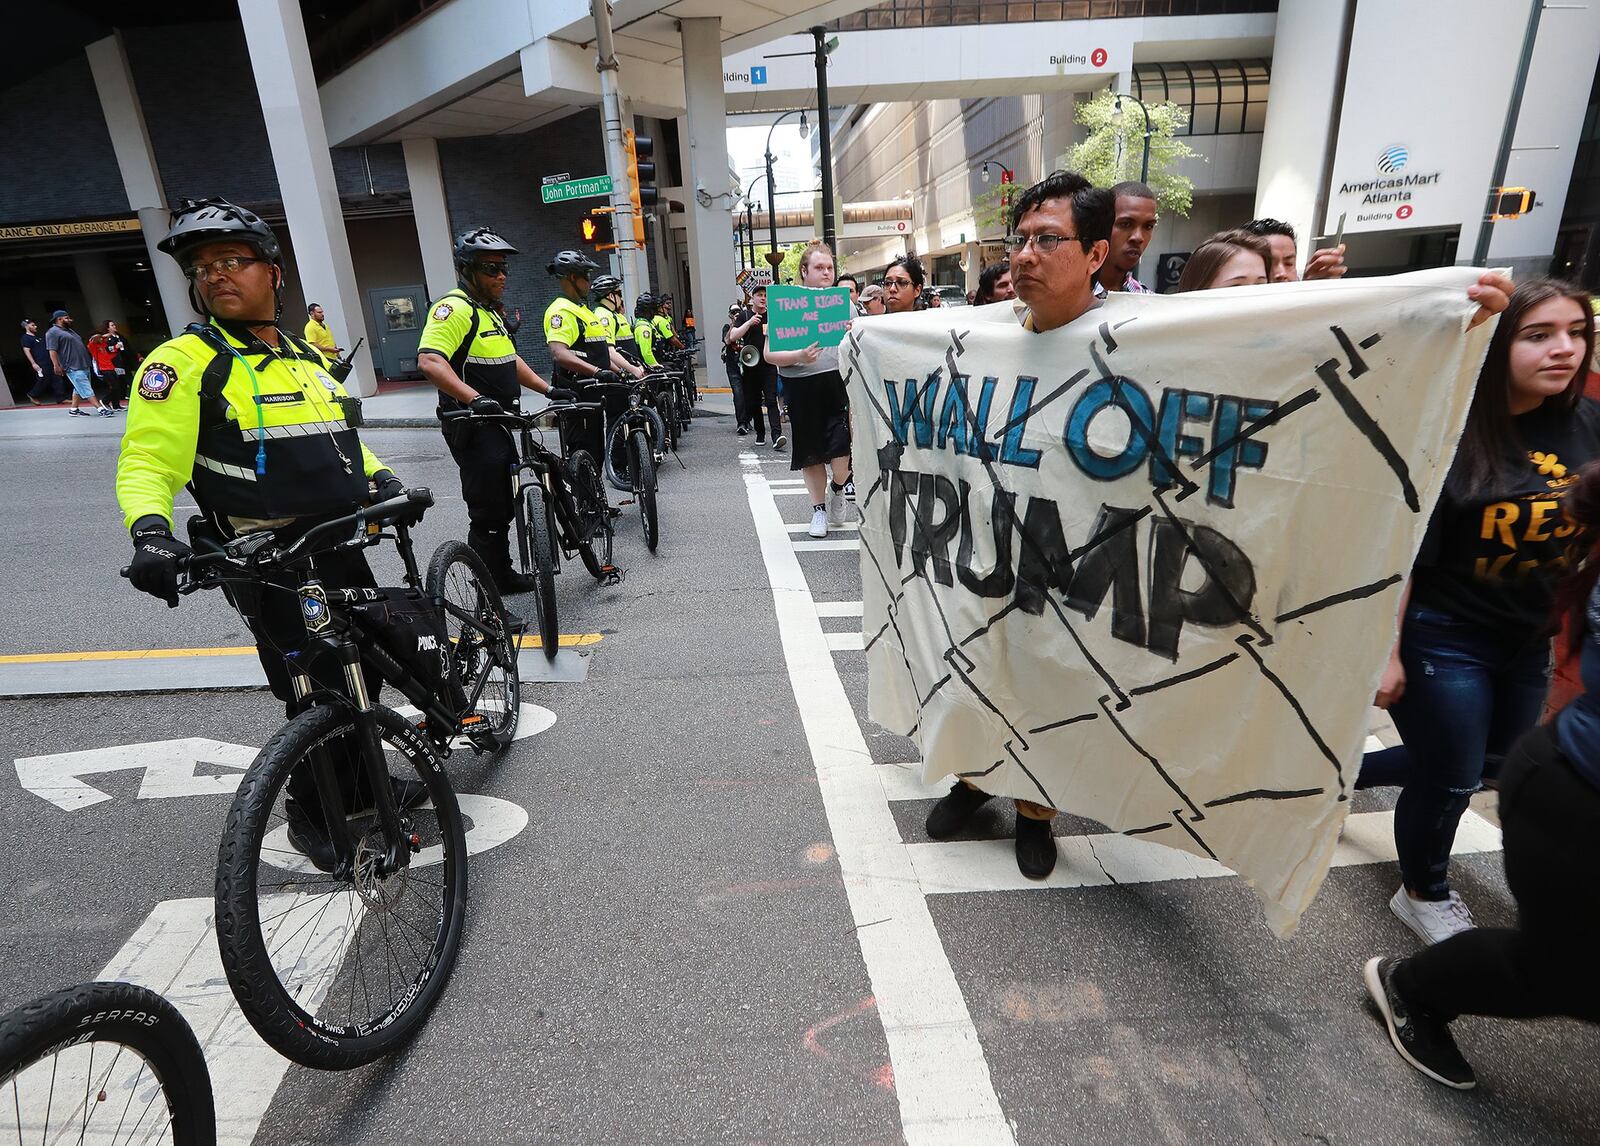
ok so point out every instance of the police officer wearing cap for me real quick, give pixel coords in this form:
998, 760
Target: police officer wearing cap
466, 351
580, 349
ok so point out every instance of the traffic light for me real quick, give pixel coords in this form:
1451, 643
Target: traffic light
1510, 202
595, 229
640, 173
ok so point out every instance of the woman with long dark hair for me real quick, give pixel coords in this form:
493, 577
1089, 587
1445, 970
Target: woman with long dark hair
1550, 815
1468, 675
902, 284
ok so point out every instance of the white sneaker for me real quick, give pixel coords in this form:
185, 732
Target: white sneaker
819, 523
1432, 920
838, 506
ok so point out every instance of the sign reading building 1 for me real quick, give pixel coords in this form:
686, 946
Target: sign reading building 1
1413, 149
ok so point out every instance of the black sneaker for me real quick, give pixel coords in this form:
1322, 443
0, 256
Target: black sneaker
1422, 1040
1036, 847
953, 810
742, 431
308, 837
514, 582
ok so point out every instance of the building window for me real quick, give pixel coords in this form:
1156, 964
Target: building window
1222, 97
948, 13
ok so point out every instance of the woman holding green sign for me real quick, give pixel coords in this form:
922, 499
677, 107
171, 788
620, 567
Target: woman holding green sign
819, 415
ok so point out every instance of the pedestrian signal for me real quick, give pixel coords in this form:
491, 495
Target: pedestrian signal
1510, 202
595, 230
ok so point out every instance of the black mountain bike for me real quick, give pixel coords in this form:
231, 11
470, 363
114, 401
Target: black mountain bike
104, 1063
342, 872
560, 507
635, 441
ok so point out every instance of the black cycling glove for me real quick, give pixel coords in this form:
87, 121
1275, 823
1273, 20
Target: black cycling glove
156, 557
483, 404
607, 376
560, 394
388, 486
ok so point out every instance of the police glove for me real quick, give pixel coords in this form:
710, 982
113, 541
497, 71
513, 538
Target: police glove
387, 486
156, 558
483, 404
559, 394
607, 376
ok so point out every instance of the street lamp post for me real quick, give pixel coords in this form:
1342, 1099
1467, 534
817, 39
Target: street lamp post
1144, 165
1007, 176
750, 218
773, 257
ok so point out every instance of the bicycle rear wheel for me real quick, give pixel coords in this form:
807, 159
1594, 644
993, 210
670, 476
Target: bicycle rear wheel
482, 645
103, 1063
594, 515
335, 972
641, 463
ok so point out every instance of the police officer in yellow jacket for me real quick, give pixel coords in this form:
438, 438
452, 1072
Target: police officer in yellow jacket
605, 302
580, 349
466, 351
248, 417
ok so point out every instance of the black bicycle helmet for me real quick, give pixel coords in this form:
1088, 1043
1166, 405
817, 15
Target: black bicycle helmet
604, 285
480, 241
200, 221
572, 263
645, 305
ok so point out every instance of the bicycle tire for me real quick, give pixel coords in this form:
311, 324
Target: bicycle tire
274, 1010
617, 442
594, 512
642, 462
460, 583
544, 568
670, 422
57, 1029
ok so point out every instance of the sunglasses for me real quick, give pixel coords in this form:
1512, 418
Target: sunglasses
493, 270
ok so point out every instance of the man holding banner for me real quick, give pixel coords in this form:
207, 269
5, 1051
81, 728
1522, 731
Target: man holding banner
1070, 674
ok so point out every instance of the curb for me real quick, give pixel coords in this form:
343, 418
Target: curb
399, 423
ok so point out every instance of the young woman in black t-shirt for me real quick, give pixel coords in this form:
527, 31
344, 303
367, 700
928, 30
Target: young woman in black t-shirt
1469, 672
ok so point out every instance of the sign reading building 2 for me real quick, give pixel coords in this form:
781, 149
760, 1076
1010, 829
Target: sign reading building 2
1392, 196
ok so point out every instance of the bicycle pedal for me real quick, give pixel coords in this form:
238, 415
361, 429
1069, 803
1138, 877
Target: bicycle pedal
625, 501
610, 575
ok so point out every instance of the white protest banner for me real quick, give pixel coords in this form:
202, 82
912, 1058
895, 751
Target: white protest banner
1145, 567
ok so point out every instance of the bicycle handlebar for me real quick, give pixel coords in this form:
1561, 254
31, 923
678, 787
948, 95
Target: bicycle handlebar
519, 417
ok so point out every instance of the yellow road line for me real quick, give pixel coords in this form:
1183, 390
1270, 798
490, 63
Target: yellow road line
568, 641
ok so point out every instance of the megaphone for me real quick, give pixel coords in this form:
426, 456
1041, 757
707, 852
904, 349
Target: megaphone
749, 356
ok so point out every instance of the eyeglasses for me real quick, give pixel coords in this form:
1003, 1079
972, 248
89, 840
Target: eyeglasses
230, 265
493, 270
897, 284
1044, 244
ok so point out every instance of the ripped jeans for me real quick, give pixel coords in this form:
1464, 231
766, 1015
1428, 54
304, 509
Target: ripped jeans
1470, 693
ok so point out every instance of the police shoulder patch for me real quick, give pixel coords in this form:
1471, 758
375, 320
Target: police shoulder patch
443, 311
555, 320
156, 382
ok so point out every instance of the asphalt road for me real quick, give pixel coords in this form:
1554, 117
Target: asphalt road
669, 951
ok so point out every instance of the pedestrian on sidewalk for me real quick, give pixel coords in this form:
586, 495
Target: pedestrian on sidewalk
759, 378
105, 348
730, 360
819, 415
47, 384
71, 360
318, 334
1469, 672
1550, 816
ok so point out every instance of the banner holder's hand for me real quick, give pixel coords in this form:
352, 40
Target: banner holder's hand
1492, 293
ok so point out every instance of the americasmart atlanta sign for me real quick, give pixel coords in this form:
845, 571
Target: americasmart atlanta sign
1391, 194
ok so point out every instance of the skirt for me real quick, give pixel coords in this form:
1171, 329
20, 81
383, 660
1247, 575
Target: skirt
819, 419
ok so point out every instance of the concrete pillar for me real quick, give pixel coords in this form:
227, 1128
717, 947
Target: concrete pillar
136, 160
426, 179
100, 294
709, 202
972, 256
1297, 144
281, 61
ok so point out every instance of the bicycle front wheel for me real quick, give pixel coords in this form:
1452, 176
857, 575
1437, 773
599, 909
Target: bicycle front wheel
594, 514
334, 972
481, 643
642, 464
103, 1063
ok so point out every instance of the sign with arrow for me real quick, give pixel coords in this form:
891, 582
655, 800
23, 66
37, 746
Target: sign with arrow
169, 768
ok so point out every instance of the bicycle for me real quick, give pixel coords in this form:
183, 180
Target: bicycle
637, 438
156, 1076
559, 505
335, 939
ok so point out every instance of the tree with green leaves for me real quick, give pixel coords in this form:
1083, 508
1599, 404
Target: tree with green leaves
1114, 149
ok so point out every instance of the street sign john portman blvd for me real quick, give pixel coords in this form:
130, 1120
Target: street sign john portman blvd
594, 187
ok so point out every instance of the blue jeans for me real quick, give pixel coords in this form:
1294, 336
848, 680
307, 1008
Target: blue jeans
1470, 693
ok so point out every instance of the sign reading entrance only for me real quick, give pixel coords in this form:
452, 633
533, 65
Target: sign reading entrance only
800, 316
592, 188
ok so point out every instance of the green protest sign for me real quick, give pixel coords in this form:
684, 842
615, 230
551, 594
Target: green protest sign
799, 316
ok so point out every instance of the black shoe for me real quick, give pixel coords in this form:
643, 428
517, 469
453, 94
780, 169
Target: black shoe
1422, 1040
513, 582
953, 810
1036, 847
515, 625
742, 431
308, 837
